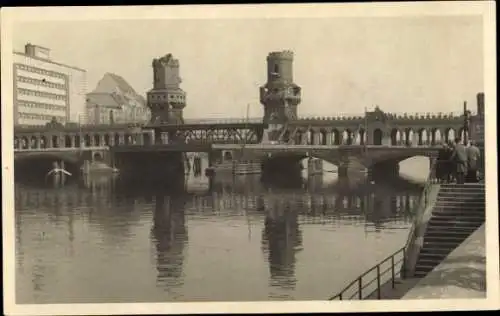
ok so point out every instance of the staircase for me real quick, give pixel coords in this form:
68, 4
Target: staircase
458, 212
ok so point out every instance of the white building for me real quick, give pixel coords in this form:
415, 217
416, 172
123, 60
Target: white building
44, 89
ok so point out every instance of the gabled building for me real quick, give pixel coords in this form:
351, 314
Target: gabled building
115, 101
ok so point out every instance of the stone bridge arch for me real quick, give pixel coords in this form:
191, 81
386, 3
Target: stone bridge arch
37, 164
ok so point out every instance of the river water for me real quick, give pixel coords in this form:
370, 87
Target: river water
93, 240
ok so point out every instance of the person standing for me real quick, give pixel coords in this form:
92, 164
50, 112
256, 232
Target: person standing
442, 172
473, 155
459, 159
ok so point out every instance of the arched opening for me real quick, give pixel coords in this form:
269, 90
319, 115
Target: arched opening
395, 137
86, 140
106, 140
322, 137
362, 136
34, 142
450, 135
117, 139
67, 141
78, 141
228, 156
24, 142
310, 137
377, 136
461, 134
348, 136
336, 137
298, 137
422, 137
97, 140
128, 139
43, 142
55, 141
37, 167
97, 156
409, 133
434, 136
286, 136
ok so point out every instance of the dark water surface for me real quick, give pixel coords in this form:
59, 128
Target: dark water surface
96, 241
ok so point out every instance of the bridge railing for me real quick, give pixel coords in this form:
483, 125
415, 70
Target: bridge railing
362, 282
389, 115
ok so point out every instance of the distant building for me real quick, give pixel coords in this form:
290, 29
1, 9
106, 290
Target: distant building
45, 89
115, 101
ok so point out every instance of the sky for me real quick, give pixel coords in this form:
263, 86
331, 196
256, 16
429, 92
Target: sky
343, 64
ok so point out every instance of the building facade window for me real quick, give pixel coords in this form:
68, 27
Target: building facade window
47, 95
42, 82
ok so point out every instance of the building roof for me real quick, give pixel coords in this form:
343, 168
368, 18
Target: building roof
49, 61
108, 100
121, 84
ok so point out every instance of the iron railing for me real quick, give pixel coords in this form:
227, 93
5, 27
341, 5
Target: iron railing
361, 283
359, 286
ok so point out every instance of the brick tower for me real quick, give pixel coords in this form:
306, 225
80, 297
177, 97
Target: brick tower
280, 95
166, 100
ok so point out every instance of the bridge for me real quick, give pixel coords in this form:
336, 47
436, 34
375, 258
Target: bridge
280, 137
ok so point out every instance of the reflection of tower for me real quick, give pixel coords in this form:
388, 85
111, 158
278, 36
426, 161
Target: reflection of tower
280, 95
166, 100
169, 235
281, 239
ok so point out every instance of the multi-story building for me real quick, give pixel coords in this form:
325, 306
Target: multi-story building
45, 89
115, 101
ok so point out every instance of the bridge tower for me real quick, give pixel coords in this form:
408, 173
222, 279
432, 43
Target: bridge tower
166, 100
280, 95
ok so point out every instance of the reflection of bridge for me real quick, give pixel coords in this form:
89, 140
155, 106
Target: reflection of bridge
138, 148
283, 214
332, 203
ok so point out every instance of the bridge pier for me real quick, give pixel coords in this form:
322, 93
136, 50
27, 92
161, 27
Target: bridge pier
282, 167
387, 169
152, 167
343, 169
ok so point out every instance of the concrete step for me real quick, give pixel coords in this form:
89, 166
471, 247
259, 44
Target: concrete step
451, 229
461, 191
456, 218
459, 216
450, 206
444, 244
478, 191
443, 240
466, 185
458, 213
432, 250
451, 223
458, 202
462, 198
426, 266
451, 233
472, 210
422, 273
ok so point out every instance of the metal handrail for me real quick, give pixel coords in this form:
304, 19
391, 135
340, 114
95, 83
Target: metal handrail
359, 280
424, 200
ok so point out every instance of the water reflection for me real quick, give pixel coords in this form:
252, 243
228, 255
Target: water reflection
105, 218
169, 235
281, 240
